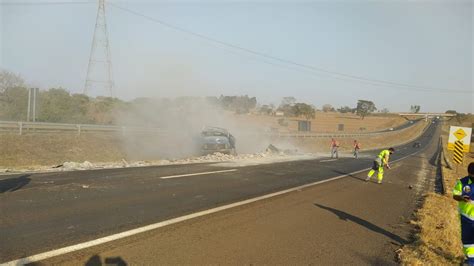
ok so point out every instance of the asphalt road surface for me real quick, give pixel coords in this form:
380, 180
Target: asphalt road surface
403, 126
43, 212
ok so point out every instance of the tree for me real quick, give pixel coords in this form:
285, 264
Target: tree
460, 118
287, 109
288, 101
415, 109
385, 111
345, 109
305, 110
265, 109
328, 108
10, 80
238, 104
13, 104
364, 108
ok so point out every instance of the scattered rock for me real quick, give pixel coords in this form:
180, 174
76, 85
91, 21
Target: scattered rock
272, 149
270, 152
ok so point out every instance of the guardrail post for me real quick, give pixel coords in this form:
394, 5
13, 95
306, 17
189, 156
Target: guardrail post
123, 131
20, 125
78, 130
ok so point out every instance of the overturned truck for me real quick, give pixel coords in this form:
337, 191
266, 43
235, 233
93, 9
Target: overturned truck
215, 139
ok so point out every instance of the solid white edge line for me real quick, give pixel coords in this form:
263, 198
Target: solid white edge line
195, 174
103, 240
329, 160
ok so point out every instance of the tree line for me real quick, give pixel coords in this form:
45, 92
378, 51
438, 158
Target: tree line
61, 106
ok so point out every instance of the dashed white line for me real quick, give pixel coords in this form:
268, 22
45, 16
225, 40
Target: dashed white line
330, 160
195, 174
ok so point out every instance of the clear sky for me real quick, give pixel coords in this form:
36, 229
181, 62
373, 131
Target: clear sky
423, 43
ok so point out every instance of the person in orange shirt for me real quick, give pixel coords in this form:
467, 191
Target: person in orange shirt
356, 149
334, 146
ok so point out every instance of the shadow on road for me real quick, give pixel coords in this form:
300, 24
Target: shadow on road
348, 174
113, 261
14, 184
346, 216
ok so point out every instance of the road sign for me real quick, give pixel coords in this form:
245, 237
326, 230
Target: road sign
458, 154
462, 134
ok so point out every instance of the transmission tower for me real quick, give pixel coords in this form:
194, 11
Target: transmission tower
99, 78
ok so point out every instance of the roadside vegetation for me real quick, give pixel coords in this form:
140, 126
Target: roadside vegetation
437, 239
58, 105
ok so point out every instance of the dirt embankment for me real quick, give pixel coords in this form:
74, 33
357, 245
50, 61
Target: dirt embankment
325, 122
377, 141
438, 237
50, 149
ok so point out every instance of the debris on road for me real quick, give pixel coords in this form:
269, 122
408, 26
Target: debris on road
75, 166
272, 149
270, 155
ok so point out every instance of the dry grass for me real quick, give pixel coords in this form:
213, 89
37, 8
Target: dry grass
368, 142
326, 122
30, 151
437, 238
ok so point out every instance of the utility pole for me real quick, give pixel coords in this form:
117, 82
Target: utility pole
34, 104
99, 71
32, 95
29, 106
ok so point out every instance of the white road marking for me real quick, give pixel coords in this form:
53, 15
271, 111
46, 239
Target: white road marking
203, 173
330, 160
92, 243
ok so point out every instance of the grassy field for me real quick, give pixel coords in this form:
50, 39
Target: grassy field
437, 238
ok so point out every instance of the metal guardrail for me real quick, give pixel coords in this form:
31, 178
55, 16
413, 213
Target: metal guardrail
36, 127
41, 127
442, 162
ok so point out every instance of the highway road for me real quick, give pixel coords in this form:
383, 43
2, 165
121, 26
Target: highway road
43, 212
402, 126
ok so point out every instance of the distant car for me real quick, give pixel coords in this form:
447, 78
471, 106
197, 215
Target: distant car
390, 129
214, 139
416, 145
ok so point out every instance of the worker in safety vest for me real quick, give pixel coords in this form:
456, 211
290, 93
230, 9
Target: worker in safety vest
463, 193
380, 161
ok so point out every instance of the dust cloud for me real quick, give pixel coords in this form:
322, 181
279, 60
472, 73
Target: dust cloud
180, 122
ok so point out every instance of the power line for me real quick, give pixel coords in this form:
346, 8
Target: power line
333, 74
45, 3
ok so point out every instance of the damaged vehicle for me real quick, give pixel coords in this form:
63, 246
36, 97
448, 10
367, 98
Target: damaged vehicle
215, 139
